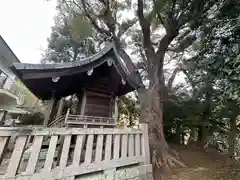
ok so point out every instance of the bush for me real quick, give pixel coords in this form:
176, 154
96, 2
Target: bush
32, 119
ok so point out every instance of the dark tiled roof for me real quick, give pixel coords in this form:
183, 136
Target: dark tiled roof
28, 72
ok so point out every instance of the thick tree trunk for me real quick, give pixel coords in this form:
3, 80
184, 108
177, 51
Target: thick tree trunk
193, 135
207, 113
151, 104
232, 137
179, 134
202, 135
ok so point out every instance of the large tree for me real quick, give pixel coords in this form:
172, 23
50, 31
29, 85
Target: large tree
161, 27
72, 37
219, 53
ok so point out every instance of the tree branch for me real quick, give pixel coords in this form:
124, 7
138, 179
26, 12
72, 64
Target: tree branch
107, 16
158, 14
171, 79
125, 26
163, 47
145, 26
105, 2
93, 21
171, 13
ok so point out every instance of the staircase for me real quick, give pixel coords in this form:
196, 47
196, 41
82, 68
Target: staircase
58, 122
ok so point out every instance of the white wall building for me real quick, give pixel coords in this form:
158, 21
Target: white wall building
10, 92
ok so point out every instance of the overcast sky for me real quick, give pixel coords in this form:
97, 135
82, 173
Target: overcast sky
25, 26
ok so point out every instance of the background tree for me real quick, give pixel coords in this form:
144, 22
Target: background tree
214, 70
71, 39
184, 30
128, 111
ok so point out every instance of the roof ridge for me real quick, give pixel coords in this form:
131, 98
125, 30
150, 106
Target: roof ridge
83, 61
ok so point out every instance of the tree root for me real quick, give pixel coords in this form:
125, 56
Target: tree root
166, 159
168, 162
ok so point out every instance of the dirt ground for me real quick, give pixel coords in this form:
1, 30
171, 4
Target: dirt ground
202, 165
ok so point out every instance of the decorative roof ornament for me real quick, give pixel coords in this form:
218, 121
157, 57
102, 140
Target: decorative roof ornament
89, 72
109, 62
55, 79
123, 81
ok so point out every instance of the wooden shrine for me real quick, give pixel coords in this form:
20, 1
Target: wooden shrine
96, 81
66, 149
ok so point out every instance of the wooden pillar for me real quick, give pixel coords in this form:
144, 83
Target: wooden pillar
116, 108
67, 114
80, 99
48, 111
60, 107
83, 103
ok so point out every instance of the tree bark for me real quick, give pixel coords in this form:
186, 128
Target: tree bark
232, 137
207, 113
202, 135
193, 135
178, 138
151, 111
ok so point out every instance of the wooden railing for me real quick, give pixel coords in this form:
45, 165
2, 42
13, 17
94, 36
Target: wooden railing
70, 119
55, 153
58, 122
90, 120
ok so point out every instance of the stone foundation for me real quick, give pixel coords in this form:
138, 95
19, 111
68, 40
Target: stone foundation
143, 172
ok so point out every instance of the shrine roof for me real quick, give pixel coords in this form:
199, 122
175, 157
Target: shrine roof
39, 77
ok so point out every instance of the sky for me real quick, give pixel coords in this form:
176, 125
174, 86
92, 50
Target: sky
25, 25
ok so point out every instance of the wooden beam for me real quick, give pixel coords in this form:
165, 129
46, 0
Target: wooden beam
88, 168
65, 151
50, 154
89, 149
16, 156
78, 150
48, 111
3, 146
83, 103
116, 108
16, 131
60, 107
99, 149
116, 146
36, 148
124, 145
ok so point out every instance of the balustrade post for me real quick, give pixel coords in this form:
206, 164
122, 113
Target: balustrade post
60, 107
67, 114
145, 143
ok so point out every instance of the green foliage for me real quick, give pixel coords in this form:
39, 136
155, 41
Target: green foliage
32, 119
80, 28
201, 36
71, 38
212, 72
128, 111
31, 103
